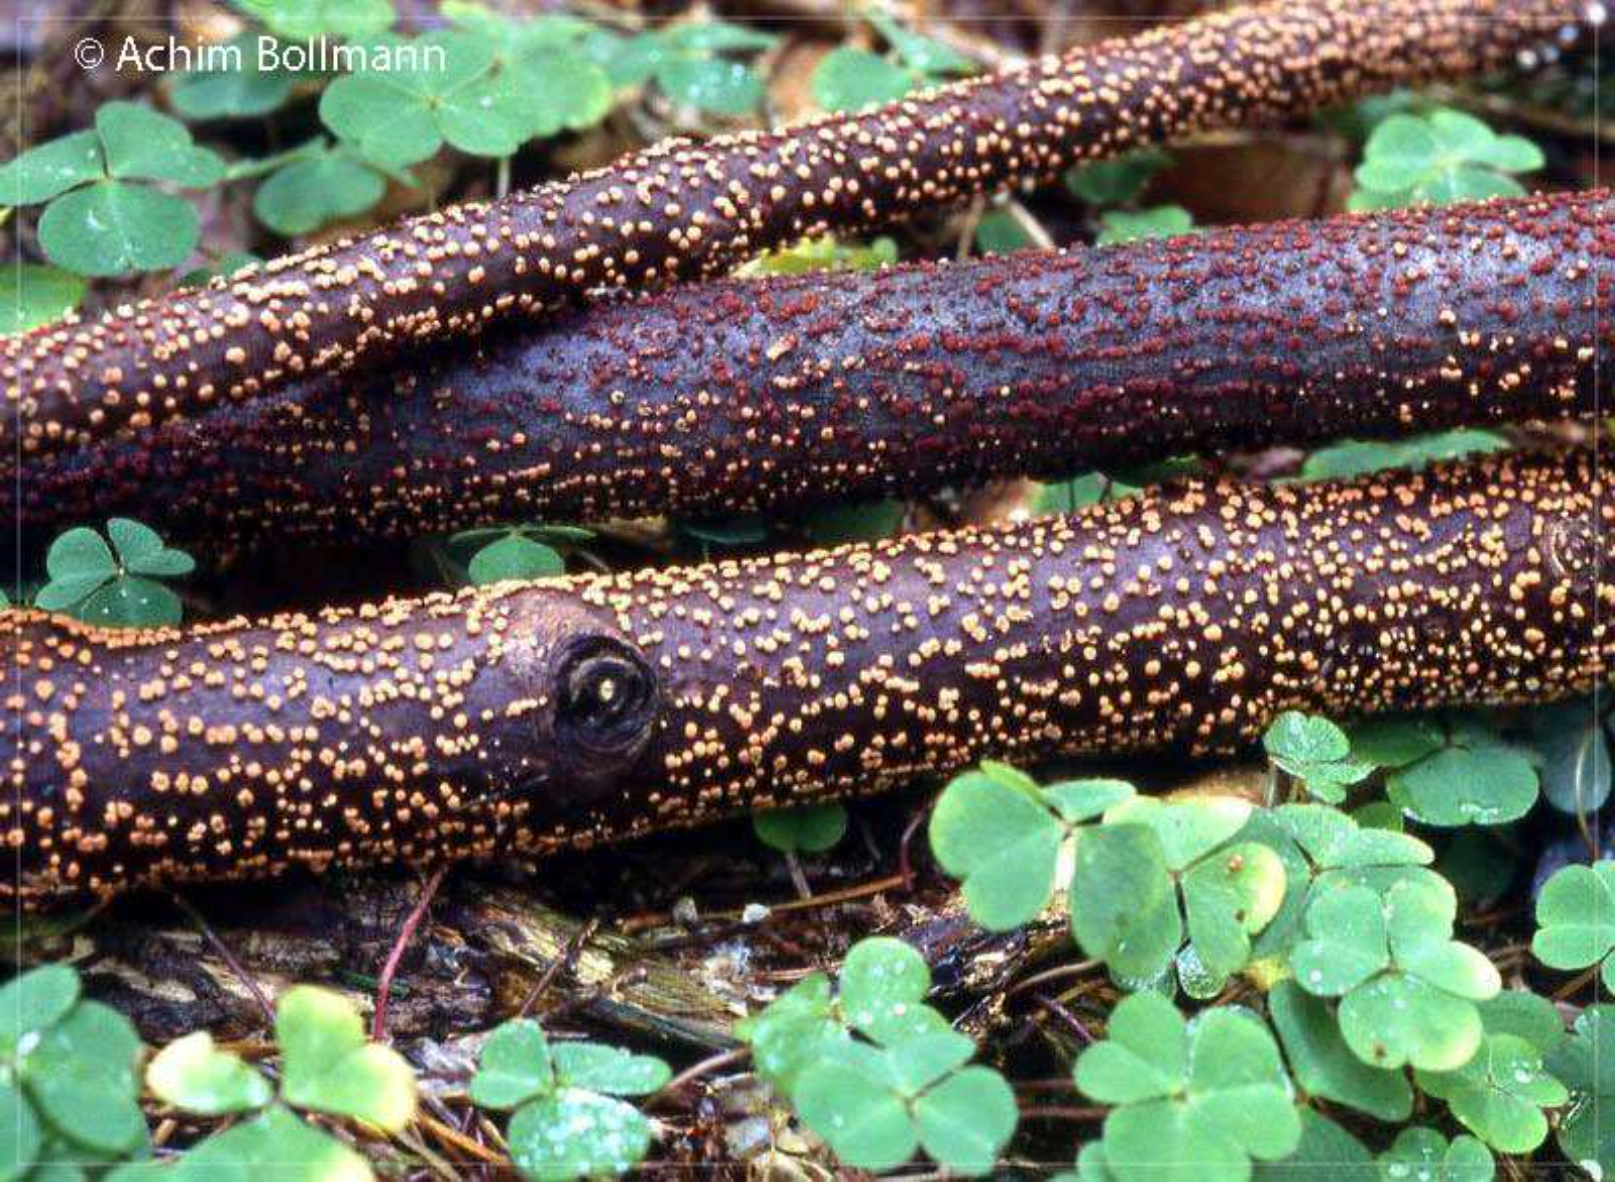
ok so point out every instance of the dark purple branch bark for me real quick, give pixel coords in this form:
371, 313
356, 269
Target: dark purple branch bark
680, 210
787, 392
522, 718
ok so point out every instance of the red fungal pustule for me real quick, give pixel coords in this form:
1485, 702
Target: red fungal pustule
782, 393
519, 719
680, 210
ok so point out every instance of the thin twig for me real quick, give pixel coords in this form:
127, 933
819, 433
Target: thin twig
565, 961
412, 1141
1083, 1114
1056, 974
1581, 982
697, 1070
384, 983
1065, 1016
459, 1140
906, 872
800, 881
225, 954
638, 923
1030, 225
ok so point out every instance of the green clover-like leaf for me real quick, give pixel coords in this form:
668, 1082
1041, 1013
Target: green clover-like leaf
858, 1113
274, 1144
1575, 916
918, 1061
51, 169
1441, 157
577, 1134
812, 828
1002, 842
849, 79
611, 1070
716, 36
1118, 181
1408, 991
1186, 830
1331, 840
1348, 944
1123, 903
78, 562
113, 228
1204, 1098
1322, 1063
1303, 738
713, 84
1424, 1153
925, 55
81, 1076
789, 1032
1467, 785
141, 551
1395, 742
1231, 896
1239, 1084
140, 144
514, 557
35, 294
514, 1066
1077, 801
1326, 1152
998, 232
627, 61
1356, 457
328, 1066
1529, 1016
1583, 1061
231, 84
881, 987
194, 1074
1500, 1094
399, 118
34, 1001
308, 195
1001, 833
88, 581
1161, 221
876, 1107
307, 20
1394, 1019
1145, 1055
966, 1120
131, 602
562, 91
22, 1137
1316, 751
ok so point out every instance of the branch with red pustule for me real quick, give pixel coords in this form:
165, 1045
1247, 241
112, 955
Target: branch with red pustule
683, 211
781, 394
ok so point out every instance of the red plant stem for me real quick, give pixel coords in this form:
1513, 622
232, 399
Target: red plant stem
681, 211
390, 967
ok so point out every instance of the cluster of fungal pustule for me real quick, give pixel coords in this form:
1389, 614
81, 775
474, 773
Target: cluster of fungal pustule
784, 393
679, 210
523, 718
